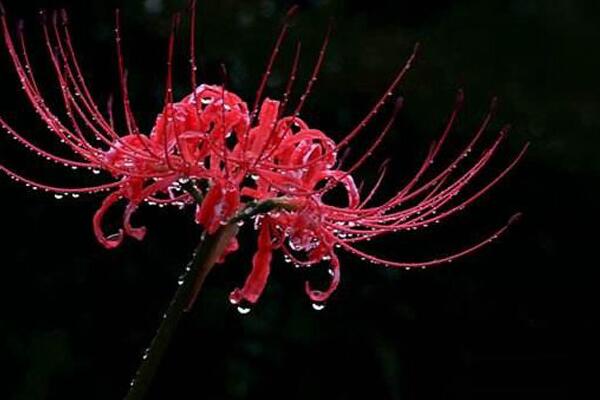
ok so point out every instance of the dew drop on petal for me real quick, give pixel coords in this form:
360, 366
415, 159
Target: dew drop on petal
243, 310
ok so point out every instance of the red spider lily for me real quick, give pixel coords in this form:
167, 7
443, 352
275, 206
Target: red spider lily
232, 160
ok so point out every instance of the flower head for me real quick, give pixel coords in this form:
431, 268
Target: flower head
233, 163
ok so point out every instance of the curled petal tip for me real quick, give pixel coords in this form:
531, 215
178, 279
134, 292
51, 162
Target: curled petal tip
316, 296
239, 297
235, 297
138, 233
112, 241
516, 218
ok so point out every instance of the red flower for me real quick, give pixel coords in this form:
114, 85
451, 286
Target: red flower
237, 163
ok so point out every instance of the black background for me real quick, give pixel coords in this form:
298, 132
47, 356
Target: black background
511, 321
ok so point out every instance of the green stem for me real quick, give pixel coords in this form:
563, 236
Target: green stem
205, 256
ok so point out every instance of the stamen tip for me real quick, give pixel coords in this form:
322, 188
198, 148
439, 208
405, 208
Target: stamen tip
399, 103
291, 13
460, 96
494, 103
42, 15
516, 218
383, 167
505, 129
416, 48
2, 10
64, 16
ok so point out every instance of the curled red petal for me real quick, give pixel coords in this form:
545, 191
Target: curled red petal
319, 296
261, 266
114, 240
135, 232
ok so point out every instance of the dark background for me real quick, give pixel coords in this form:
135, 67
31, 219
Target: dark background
512, 321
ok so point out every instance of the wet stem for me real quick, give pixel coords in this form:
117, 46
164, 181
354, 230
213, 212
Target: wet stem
204, 258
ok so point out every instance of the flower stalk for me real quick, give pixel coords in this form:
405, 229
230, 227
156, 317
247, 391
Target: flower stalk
204, 258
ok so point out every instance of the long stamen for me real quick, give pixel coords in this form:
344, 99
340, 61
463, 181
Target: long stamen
129, 118
193, 66
263, 82
390, 90
315, 72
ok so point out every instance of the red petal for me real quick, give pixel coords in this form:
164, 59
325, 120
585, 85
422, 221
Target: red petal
232, 246
206, 212
112, 241
318, 296
137, 233
261, 265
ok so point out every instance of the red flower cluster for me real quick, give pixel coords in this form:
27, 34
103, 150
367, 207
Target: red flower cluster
212, 151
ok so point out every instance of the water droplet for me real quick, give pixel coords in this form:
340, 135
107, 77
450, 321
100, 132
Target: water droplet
318, 306
58, 196
243, 310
